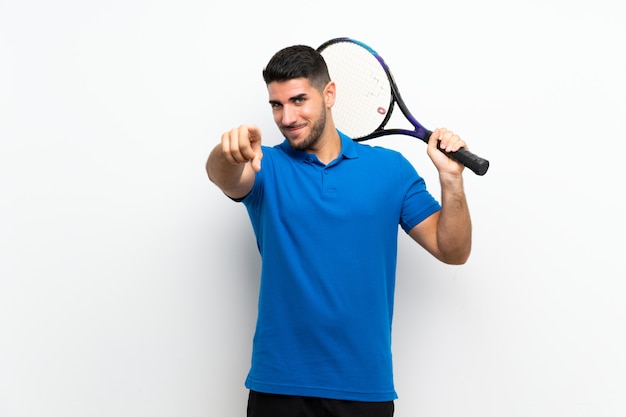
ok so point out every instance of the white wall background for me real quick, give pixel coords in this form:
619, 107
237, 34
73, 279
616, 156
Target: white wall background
128, 282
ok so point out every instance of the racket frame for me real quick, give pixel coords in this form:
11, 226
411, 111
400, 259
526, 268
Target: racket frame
475, 163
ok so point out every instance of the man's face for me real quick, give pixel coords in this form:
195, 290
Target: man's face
299, 112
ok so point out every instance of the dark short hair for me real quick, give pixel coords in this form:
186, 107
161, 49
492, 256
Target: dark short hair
298, 61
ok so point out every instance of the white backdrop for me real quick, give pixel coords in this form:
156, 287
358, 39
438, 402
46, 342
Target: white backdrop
128, 282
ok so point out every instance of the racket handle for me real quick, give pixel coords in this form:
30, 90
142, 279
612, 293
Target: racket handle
474, 162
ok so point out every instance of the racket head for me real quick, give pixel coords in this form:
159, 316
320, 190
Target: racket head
364, 100
366, 94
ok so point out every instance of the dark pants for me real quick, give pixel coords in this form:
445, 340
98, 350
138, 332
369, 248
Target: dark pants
274, 405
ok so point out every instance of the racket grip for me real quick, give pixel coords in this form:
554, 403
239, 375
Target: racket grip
474, 162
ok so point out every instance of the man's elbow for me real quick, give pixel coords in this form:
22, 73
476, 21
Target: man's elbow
457, 257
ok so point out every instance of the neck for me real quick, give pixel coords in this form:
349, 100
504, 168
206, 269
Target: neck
329, 146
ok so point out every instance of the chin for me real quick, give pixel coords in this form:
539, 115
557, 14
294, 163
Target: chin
295, 141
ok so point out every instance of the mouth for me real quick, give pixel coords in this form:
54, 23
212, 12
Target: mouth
293, 131
293, 128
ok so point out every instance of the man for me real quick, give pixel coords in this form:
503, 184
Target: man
325, 211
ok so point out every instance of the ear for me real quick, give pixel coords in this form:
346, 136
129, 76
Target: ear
329, 94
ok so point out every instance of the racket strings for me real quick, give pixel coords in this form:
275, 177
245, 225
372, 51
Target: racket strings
363, 90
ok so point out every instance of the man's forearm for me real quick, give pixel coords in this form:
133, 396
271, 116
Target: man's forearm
454, 231
221, 172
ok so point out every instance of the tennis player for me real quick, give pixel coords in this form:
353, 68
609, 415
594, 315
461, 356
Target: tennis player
326, 212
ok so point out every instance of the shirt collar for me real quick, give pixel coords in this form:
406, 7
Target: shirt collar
348, 149
348, 146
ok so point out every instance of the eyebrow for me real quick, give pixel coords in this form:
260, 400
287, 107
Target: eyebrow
294, 98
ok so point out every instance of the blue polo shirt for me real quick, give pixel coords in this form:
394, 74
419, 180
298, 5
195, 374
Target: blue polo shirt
327, 235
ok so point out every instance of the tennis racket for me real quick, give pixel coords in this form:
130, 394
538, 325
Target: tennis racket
367, 94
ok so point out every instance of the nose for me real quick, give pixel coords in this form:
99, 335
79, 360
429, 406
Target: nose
289, 115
